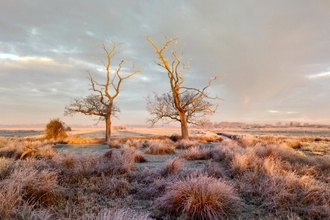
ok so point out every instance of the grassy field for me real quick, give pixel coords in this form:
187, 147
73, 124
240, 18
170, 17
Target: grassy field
152, 174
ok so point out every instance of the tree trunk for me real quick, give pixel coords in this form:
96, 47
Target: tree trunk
184, 126
108, 129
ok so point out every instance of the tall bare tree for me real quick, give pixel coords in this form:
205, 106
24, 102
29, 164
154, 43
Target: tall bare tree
102, 104
183, 104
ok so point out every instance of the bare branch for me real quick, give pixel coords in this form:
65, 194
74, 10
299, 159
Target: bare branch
102, 105
183, 104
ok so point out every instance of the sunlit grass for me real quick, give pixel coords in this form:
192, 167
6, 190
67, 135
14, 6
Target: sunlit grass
255, 177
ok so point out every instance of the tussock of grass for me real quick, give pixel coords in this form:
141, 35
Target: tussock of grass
281, 192
137, 155
172, 166
248, 141
243, 162
215, 170
122, 214
132, 143
119, 162
185, 144
159, 147
114, 144
28, 186
294, 143
196, 153
21, 149
30, 212
7, 165
200, 197
114, 187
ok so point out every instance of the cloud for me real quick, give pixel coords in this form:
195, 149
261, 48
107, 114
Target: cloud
318, 75
275, 54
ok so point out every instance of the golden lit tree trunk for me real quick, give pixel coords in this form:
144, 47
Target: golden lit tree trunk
108, 129
184, 126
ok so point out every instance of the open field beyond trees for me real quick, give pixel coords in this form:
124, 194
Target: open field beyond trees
150, 173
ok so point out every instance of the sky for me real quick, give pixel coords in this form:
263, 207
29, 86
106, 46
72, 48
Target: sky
275, 56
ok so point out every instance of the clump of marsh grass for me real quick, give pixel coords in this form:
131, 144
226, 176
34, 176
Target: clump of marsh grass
196, 153
113, 187
7, 165
132, 143
159, 147
214, 169
133, 152
21, 149
172, 166
11, 148
122, 214
303, 195
200, 197
116, 162
29, 186
30, 212
115, 144
185, 144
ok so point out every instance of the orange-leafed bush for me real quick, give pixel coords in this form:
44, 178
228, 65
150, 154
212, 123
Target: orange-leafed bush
55, 129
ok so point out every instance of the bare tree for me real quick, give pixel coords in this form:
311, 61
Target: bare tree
102, 104
183, 104
92, 106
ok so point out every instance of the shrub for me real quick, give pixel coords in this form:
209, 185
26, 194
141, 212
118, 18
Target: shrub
200, 197
55, 129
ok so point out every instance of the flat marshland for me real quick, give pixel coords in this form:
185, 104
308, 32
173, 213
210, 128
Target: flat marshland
150, 173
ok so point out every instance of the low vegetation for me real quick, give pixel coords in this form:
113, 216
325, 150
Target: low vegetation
55, 129
251, 177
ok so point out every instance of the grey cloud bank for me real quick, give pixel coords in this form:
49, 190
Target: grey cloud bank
275, 54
